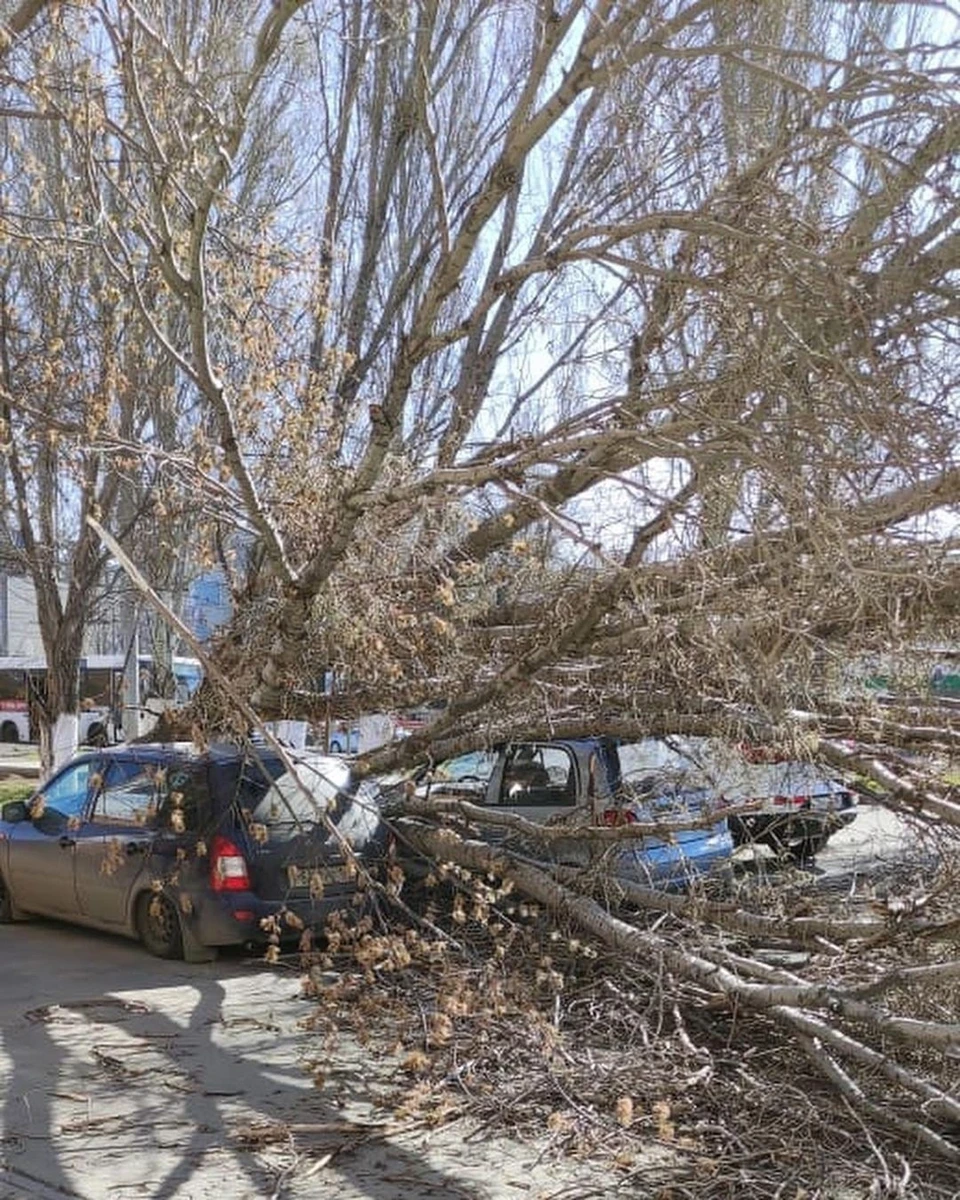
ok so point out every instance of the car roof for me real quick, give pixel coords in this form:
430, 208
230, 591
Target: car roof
181, 751
214, 753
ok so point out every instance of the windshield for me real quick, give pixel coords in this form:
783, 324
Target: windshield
289, 806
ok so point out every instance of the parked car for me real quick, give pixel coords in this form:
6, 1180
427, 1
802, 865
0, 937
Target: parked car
186, 850
798, 806
800, 817
580, 782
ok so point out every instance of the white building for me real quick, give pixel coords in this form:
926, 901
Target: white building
206, 607
19, 625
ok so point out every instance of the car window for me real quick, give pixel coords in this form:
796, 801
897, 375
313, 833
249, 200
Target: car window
286, 806
186, 681
476, 766
65, 797
166, 796
182, 798
127, 796
539, 775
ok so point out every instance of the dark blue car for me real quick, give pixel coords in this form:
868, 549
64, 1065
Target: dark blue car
187, 850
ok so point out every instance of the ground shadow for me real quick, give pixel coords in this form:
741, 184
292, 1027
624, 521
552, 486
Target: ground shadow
165, 1093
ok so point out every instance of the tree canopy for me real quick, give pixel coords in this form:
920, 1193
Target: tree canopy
551, 360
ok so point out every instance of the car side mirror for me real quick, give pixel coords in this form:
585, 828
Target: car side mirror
14, 811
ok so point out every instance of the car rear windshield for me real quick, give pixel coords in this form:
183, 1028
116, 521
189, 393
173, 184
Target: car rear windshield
282, 805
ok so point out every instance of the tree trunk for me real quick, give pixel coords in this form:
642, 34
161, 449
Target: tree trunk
59, 717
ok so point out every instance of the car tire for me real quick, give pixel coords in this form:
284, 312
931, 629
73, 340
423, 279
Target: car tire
797, 850
6, 904
9, 733
158, 926
806, 849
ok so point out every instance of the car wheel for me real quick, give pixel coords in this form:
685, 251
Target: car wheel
797, 850
158, 926
9, 732
806, 848
6, 904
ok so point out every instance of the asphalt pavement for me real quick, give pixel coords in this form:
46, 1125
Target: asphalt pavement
875, 841
124, 1076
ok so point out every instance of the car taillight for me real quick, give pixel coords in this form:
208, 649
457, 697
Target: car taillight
228, 867
791, 801
617, 816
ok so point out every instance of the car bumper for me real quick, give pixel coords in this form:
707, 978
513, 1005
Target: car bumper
240, 918
677, 865
804, 825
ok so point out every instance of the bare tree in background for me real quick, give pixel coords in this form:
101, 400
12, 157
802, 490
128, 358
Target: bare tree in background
96, 421
16, 20
61, 373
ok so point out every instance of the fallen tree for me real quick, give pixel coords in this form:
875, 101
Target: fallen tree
859, 1005
552, 415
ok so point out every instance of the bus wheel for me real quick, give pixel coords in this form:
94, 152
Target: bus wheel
9, 732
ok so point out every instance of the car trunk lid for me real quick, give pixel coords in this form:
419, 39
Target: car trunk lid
303, 830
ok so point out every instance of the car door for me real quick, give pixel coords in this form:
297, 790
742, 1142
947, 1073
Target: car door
539, 781
542, 782
114, 844
42, 849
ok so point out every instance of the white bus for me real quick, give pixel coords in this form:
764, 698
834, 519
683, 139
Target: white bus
23, 684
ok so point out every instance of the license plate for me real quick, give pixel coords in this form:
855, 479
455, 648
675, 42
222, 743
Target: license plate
317, 877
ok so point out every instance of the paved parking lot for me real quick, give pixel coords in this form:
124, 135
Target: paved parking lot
123, 1076
877, 838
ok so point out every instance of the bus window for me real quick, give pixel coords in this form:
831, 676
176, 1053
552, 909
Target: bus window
96, 687
188, 676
